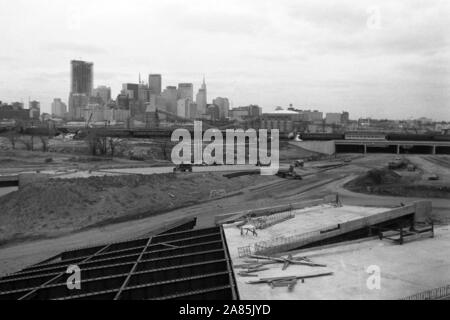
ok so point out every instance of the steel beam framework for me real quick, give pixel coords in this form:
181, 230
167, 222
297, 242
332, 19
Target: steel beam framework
189, 264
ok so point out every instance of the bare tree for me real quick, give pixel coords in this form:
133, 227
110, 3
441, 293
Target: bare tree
113, 142
12, 136
29, 143
99, 145
44, 142
165, 149
91, 140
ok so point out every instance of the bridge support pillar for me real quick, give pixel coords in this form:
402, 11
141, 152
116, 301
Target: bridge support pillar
398, 149
433, 151
365, 148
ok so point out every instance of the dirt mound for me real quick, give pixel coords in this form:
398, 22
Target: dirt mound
388, 182
377, 177
293, 152
60, 206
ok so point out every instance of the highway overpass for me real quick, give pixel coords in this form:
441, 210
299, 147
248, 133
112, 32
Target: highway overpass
396, 147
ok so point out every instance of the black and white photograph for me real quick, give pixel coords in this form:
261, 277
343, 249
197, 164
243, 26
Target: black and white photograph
241, 151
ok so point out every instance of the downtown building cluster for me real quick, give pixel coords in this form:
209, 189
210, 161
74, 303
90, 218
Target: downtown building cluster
138, 101
148, 104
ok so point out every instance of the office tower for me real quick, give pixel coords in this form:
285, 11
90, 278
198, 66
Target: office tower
82, 77
59, 108
77, 103
154, 83
103, 92
185, 91
345, 117
224, 106
81, 86
123, 101
213, 112
183, 107
192, 111
131, 89
143, 93
201, 99
254, 111
35, 109
17, 105
170, 95
333, 118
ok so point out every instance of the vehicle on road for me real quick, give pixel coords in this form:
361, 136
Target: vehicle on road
289, 173
299, 163
433, 177
183, 167
397, 163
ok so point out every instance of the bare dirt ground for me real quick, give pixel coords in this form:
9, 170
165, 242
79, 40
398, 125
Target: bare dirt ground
17, 161
58, 206
261, 192
401, 182
72, 155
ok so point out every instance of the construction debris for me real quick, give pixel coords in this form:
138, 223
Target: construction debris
249, 228
290, 284
248, 272
288, 278
289, 260
243, 274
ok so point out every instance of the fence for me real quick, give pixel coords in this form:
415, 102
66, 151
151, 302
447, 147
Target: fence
282, 244
432, 294
267, 221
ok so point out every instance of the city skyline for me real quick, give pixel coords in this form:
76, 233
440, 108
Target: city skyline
373, 59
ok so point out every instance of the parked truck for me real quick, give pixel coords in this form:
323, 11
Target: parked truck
289, 173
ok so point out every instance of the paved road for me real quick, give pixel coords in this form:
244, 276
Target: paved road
154, 170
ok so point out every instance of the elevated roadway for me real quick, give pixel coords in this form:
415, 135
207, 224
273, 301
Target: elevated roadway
398, 147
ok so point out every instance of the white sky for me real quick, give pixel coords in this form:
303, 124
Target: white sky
331, 55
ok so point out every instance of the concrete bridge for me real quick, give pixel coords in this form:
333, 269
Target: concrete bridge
398, 147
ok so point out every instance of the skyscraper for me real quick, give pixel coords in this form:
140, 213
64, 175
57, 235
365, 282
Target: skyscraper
201, 99
81, 86
154, 83
224, 106
183, 107
82, 77
103, 92
143, 93
35, 109
59, 108
131, 89
186, 91
170, 97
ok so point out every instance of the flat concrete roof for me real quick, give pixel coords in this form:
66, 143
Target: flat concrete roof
406, 269
306, 220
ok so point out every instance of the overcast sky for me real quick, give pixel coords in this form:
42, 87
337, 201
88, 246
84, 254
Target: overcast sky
382, 59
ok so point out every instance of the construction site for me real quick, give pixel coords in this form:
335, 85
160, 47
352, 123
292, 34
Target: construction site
249, 154
341, 226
